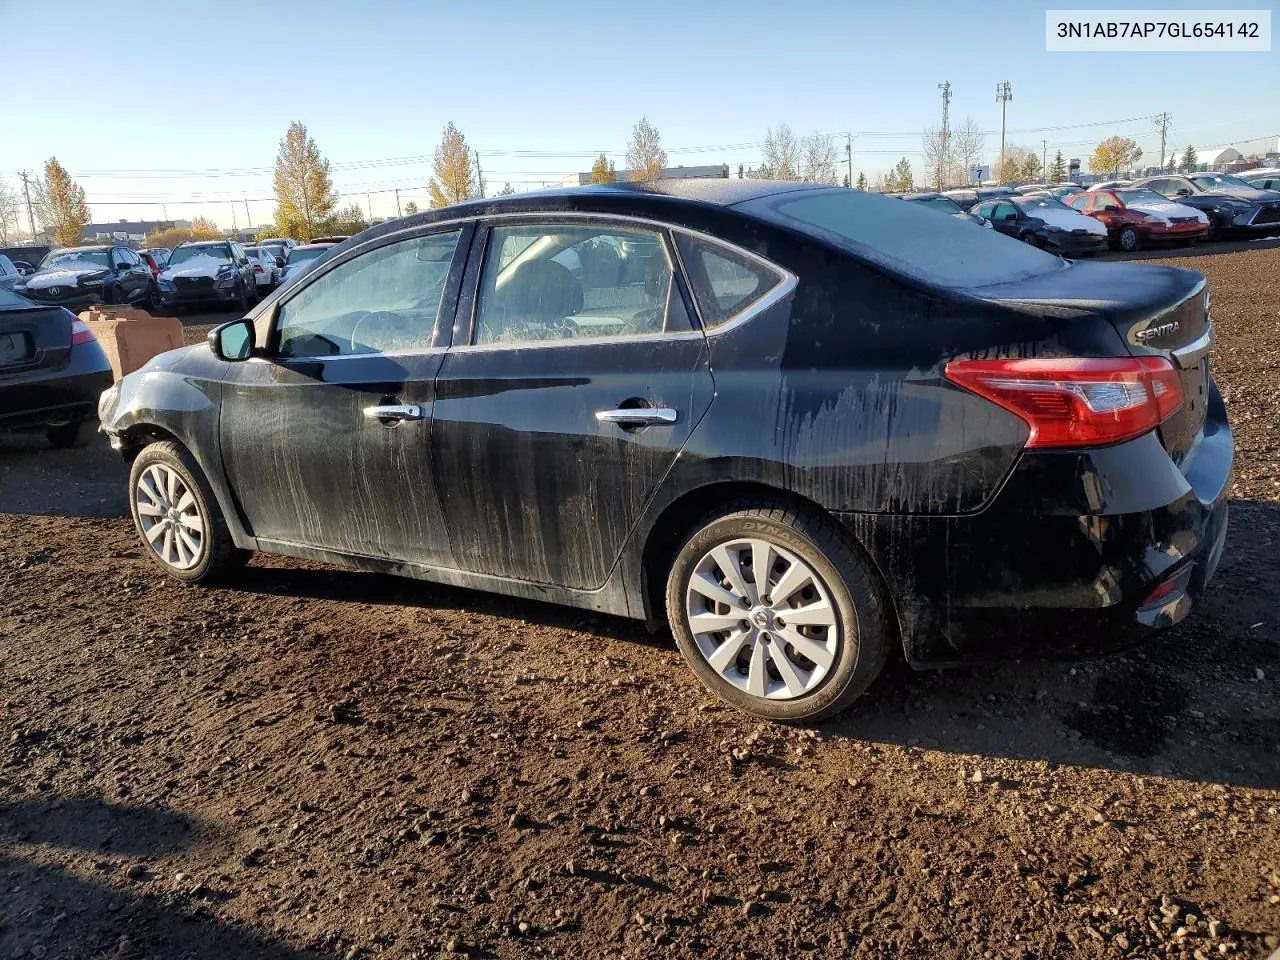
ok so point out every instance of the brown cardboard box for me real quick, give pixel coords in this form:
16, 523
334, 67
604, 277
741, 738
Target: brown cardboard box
131, 337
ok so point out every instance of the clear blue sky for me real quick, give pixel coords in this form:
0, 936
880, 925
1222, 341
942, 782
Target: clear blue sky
377, 80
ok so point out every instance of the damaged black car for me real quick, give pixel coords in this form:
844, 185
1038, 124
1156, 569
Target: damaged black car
809, 428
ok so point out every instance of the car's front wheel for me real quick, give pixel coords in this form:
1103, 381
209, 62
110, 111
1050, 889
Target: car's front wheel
1129, 239
177, 516
777, 612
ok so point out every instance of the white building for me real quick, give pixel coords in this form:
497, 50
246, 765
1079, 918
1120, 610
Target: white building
1219, 158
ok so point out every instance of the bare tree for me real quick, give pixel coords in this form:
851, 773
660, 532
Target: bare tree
968, 143
8, 210
781, 155
937, 155
818, 159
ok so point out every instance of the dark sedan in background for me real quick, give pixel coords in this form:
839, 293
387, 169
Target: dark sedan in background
1047, 222
940, 204
816, 426
1233, 206
52, 371
79, 277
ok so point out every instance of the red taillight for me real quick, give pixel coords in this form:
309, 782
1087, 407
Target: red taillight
1075, 402
257, 268
80, 333
1170, 588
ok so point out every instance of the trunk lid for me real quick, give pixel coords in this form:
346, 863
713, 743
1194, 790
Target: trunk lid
1157, 311
34, 338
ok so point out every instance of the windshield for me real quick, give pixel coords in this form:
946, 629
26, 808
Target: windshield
939, 251
941, 204
1217, 181
1032, 204
66, 257
1130, 197
217, 251
299, 255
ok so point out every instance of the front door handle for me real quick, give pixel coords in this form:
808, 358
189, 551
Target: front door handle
637, 416
394, 412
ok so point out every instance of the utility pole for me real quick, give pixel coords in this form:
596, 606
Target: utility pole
235, 227
1004, 93
1044, 160
848, 155
248, 219
945, 87
1163, 122
479, 173
398, 213
164, 209
26, 189
368, 203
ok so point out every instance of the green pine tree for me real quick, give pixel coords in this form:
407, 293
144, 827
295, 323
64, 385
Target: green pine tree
862, 181
1058, 169
1189, 160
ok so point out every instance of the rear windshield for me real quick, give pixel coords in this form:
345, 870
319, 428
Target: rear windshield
941, 251
299, 255
10, 299
941, 204
218, 251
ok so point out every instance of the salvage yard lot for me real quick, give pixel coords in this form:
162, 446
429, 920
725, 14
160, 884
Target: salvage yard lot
311, 762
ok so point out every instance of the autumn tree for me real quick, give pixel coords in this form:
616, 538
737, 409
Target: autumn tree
1189, 160
818, 159
455, 178
60, 201
1115, 154
346, 222
782, 155
1031, 167
862, 181
201, 229
304, 191
1058, 169
507, 190
602, 170
1020, 164
936, 146
645, 157
410, 208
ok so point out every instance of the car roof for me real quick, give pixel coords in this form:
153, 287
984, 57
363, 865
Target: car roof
94, 246
316, 246
922, 195
203, 243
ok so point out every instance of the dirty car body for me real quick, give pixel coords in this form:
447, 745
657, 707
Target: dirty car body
826, 349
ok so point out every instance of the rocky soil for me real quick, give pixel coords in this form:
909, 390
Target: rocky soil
311, 762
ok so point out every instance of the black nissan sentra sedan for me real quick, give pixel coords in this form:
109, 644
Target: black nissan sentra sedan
809, 427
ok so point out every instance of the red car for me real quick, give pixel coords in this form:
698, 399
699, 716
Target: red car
1136, 217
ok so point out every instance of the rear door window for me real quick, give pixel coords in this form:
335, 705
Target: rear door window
725, 283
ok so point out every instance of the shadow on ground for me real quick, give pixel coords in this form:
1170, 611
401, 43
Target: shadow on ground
129, 909
1187, 704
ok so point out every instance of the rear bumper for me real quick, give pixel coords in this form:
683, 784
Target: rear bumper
1064, 559
40, 397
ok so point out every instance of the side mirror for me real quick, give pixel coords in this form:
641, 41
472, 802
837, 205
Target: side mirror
1184, 192
232, 341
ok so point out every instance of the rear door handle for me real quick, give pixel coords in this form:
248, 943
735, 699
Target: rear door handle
637, 416
394, 411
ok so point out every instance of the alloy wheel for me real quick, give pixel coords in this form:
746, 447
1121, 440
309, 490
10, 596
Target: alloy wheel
169, 516
763, 619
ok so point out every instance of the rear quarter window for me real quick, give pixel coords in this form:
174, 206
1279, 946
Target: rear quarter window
909, 239
725, 282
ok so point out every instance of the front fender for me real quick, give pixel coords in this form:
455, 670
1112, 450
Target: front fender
177, 396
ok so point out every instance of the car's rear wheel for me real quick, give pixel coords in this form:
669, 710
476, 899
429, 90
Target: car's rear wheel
777, 612
75, 433
1129, 239
177, 516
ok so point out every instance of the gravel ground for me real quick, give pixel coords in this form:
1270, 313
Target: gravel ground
320, 763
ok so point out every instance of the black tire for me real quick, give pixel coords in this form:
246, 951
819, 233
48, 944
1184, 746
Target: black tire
1129, 239
220, 556
77, 433
853, 586
242, 303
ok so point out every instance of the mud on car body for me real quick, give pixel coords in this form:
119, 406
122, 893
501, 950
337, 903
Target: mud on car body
807, 427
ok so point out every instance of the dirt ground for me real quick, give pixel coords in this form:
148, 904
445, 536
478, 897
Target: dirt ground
313, 762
